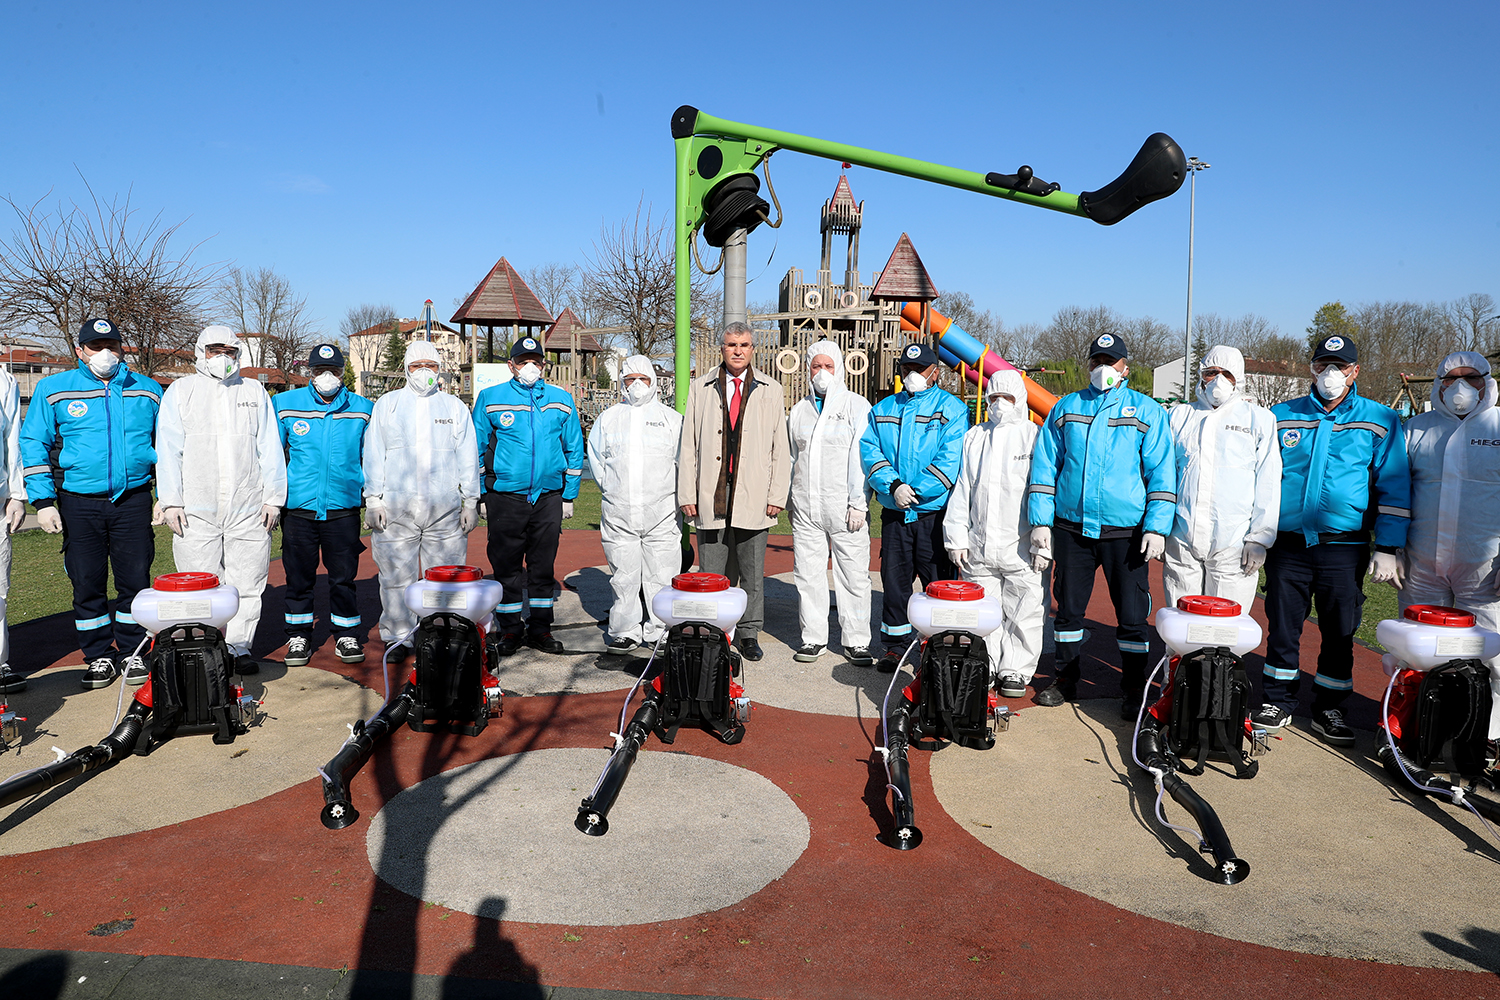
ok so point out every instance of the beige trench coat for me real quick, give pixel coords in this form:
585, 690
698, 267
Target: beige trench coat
764, 474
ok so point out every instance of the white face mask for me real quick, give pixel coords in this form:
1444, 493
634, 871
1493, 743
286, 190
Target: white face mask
1217, 392
1105, 377
914, 383
1330, 383
528, 373
422, 380
220, 366
822, 381
327, 383
104, 363
1000, 408
1461, 397
638, 392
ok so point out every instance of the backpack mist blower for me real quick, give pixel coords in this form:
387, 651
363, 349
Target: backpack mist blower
693, 681
1203, 713
451, 689
189, 690
950, 699
1440, 709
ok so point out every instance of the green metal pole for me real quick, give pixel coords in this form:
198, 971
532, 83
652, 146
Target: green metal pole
684, 299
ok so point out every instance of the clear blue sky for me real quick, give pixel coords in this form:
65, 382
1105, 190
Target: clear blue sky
378, 152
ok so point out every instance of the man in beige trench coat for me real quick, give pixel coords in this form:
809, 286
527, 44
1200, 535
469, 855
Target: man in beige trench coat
734, 471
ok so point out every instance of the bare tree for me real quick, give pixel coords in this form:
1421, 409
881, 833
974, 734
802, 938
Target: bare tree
559, 286
365, 348
262, 301
1073, 329
1474, 322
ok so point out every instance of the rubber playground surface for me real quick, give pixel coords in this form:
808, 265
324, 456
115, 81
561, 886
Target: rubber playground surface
755, 870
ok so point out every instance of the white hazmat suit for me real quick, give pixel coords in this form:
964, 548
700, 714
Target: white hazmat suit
632, 451
1453, 544
829, 507
221, 478
421, 486
1228, 488
987, 527
13, 495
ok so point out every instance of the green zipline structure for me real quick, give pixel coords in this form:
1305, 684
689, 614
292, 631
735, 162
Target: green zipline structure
717, 190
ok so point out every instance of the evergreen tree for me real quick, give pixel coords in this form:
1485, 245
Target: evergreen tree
394, 359
1331, 319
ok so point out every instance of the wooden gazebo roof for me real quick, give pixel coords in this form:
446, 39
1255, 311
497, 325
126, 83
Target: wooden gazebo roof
559, 336
502, 299
904, 278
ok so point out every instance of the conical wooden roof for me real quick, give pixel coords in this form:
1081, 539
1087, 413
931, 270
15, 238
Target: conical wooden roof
904, 278
502, 299
559, 336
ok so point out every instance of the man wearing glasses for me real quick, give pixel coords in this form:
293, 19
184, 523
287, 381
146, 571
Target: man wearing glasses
1344, 469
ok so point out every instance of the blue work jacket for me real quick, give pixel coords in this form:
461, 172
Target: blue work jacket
530, 441
104, 433
917, 440
324, 445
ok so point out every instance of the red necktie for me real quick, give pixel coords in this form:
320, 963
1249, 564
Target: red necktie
734, 405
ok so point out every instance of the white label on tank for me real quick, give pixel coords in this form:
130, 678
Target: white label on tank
698, 611
445, 599
1459, 645
185, 610
955, 618
1213, 635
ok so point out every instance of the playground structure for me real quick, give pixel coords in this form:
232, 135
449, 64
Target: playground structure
717, 193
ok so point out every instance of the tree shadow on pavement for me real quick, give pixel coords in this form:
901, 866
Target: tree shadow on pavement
40, 978
1481, 947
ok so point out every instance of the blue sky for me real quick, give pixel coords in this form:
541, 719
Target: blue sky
391, 153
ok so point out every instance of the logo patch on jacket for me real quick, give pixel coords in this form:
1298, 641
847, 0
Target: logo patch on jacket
77, 408
1289, 438
1128, 411
301, 427
507, 418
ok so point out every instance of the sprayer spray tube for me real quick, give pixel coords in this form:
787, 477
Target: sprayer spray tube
117, 744
339, 811
1231, 870
593, 812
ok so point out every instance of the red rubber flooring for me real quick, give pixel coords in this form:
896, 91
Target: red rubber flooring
851, 918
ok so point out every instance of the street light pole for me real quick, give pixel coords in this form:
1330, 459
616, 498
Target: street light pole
1194, 165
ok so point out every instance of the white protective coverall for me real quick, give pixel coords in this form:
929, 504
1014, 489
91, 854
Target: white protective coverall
1453, 544
1228, 489
12, 487
987, 518
422, 472
219, 458
632, 451
827, 481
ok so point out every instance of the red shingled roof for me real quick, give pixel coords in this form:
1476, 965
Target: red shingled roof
904, 278
559, 336
502, 299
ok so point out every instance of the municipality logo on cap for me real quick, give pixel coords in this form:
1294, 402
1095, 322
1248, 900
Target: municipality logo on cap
1333, 344
913, 351
102, 326
528, 343
325, 351
1106, 341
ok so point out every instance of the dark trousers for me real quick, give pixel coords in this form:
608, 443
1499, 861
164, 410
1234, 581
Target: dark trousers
337, 541
99, 535
524, 531
1297, 575
1077, 559
908, 549
739, 554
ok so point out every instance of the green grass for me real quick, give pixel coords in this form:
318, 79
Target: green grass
586, 513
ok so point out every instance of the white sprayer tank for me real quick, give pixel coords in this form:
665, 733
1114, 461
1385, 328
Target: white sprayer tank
1429, 635
700, 597
185, 599
953, 606
463, 590
1200, 621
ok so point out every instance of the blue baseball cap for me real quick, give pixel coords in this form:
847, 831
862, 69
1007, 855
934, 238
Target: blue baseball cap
524, 346
1110, 345
326, 356
98, 329
1337, 348
918, 354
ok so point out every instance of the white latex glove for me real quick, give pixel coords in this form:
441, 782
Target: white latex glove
855, 519
904, 496
960, 559
156, 517
50, 518
1385, 567
567, 509
15, 513
376, 518
1153, 545
468, 518
1252, 558
1041, 547
174, 518
269, 516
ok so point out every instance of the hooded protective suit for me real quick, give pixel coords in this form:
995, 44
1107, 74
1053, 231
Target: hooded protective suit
1453, 545
987, 519
421, 469
219, 459
1228, 489
12, 490
632, 451
828, 481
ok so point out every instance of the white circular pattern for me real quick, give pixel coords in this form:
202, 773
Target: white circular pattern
1106, 340
1333, 344
687, 835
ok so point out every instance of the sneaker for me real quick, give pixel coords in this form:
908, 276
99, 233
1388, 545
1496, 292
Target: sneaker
860, 656
507, 644
1330, 728
298, 651
10, 681
349, 649
1056, 693
544, 642
808, 653
1011, 685
620, 647
889, 662
1270, 718
245, 664
1130, 706
100, 673
397, 653
136, 671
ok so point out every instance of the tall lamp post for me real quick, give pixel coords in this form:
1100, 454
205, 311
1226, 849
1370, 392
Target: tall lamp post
1194, 165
